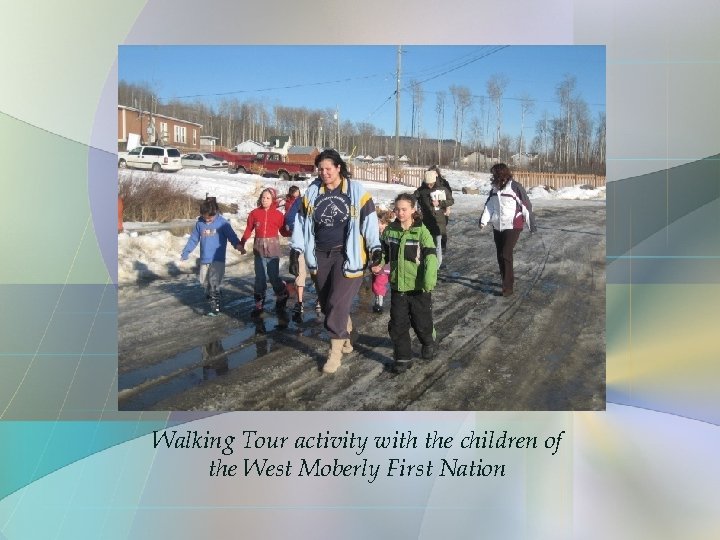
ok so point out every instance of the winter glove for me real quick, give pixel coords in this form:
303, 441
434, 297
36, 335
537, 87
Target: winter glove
241, 247
294, 264
376, 257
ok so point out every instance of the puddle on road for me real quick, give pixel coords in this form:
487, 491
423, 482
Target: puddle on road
548, 286
142, 388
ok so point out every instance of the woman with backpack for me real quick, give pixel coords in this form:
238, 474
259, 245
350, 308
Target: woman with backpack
508, 210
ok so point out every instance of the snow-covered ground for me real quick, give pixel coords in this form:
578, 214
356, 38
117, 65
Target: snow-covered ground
146, 252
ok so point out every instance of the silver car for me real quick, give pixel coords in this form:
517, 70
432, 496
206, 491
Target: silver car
203, 161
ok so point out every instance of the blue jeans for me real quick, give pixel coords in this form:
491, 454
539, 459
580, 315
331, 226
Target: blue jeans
438, 249
267, 268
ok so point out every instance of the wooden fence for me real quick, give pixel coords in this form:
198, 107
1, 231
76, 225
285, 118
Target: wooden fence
381, 172
557, 180
414, 176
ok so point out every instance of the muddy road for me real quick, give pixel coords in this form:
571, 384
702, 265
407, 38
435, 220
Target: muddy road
541, 349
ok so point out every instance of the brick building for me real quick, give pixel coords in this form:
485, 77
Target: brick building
157, 129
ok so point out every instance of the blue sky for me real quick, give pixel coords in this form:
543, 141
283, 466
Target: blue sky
360, 80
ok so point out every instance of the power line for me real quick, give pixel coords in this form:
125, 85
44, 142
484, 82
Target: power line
468, 62
287, 87
445, 72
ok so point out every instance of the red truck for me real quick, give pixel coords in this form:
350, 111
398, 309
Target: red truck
264, 163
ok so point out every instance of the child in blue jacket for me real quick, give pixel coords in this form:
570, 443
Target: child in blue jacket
212, 232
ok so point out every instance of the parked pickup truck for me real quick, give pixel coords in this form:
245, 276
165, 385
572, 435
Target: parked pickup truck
266, 163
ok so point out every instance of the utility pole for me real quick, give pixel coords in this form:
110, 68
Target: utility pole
397, 108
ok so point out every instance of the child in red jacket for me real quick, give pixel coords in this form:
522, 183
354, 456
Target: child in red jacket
293, 194
266, 221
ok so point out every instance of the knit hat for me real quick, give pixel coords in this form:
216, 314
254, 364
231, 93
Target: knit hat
430, 177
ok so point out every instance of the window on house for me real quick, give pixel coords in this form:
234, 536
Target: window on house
180, 134
194, 137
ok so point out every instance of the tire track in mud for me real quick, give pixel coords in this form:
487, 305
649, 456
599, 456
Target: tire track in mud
526, 358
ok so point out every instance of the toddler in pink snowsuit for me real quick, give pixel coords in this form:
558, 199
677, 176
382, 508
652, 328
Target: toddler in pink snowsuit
380, 281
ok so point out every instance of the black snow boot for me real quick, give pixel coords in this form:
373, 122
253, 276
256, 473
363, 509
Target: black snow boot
401, 365
281, 300
428, 352
297, 315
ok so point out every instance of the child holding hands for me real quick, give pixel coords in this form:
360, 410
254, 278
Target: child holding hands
410, 249
212, 232
267, 222
380, 281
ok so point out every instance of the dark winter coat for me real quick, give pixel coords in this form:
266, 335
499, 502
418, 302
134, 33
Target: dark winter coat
434, 217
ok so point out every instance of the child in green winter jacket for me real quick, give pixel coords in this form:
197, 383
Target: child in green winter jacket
410, 249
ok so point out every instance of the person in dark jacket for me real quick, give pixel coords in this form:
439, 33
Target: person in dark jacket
433, 200
443, 182
508, 210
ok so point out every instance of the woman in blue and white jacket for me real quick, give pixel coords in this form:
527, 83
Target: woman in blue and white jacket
508, 210
336, 228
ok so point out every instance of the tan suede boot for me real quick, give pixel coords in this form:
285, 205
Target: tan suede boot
334, 356
347, 345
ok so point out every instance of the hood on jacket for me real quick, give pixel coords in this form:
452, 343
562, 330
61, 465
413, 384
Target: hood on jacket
273, 195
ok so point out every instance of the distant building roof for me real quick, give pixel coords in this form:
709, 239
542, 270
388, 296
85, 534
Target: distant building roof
302, 150
250, 146
279, 140
148, 113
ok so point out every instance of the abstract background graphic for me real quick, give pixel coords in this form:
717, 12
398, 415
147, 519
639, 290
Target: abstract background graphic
72, 466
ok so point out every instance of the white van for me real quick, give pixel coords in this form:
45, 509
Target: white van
154, 158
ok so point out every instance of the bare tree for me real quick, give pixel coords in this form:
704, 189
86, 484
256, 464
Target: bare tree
495, 89
504, 145
542, 141
599, 146
564, 92
476, 134
366, 132
527, 105
440, 110
582, 134
462, 99
418, 98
